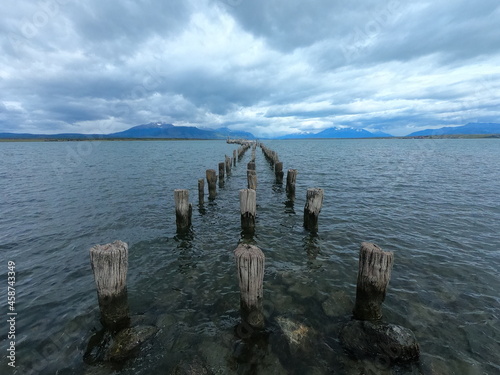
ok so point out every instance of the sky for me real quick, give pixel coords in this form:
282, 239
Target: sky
271, 67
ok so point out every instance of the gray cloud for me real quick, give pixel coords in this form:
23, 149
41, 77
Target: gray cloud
269, 67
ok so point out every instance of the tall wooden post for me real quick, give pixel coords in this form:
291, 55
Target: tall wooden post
228, 165
109, 265
221, 172
234, 157
201, 190
252, 179
251, 166
374, 273
278, 171
248, 208
275, 157
183, 209
212, 183
250, 267
314, 201
291, 177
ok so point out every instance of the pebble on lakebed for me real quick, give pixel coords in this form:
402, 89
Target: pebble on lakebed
297, 334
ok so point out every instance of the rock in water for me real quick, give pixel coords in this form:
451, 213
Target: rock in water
127, 340
297, 334
387, 342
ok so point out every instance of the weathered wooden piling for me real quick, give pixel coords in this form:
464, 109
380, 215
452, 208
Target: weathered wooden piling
109, 265
201, 190
183, 209
278, 171
251, 166
212, 183
250, 269
228, 164
248, 208
314, 201
235, 155
252, 179
374, 273
221, 172
291, 177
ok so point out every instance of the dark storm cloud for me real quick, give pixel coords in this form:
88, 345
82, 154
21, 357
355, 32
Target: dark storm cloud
270, 67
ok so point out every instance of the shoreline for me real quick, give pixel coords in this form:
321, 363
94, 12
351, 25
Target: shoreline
93, 139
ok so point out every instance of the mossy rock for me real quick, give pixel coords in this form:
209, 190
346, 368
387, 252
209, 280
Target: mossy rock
127, 341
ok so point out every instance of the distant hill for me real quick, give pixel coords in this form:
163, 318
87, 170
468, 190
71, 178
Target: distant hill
151, 130
162, 130
337, 132
470, 128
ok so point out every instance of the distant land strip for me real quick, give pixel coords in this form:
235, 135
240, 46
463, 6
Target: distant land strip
93, 139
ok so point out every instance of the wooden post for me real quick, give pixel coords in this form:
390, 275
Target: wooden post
228, 164
291, 177
374, 273
212, 183
183, 209
314, 201
278, 171
109, 265
221, 172
252, 179
248, 208
234, 157
201, 190
251, 165
250, 266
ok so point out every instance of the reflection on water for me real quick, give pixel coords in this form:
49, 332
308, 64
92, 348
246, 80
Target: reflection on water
438, 213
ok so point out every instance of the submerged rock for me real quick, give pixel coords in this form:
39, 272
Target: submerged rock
97, 347
297, 334
387, 342
127, 340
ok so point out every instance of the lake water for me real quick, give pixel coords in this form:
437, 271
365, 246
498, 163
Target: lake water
434, 203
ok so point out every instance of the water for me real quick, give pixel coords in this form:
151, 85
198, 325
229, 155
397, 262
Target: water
434, 203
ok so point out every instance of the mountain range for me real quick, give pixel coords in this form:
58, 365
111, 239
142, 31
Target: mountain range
151, 130
468, 129
163, 130
337, 132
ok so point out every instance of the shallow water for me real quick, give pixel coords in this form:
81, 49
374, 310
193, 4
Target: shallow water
433, 202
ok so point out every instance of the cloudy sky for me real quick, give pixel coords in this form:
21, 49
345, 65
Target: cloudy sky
271, 67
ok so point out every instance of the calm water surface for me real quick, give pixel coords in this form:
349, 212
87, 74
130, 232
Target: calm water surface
434, 203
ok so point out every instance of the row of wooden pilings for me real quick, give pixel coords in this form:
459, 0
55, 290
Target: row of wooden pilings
314, 196
211, 176
248, 197
110, 262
